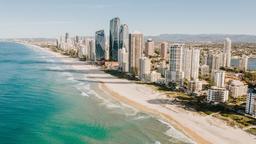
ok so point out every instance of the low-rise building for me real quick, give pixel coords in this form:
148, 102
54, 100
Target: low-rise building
154, 77
237, 88
216, 94
195, 86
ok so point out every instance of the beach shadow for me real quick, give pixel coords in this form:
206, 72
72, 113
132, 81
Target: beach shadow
161, 101
104, 77
96, 81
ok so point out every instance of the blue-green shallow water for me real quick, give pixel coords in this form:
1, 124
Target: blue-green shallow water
42, 102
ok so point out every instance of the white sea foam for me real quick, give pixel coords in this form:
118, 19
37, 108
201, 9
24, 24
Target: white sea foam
71, 78
112, 105
66, 74
50, 60
130, 107
84, 94
157, 142
141, 117
54, 68
80, 84
172, 132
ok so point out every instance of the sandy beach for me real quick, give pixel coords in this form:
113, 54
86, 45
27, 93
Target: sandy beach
201, 129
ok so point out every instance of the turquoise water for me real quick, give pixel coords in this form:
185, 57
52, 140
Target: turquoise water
42, 102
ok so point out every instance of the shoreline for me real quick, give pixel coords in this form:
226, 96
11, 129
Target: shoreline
187, 122
193, 136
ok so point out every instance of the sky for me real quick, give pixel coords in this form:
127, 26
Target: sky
51, 18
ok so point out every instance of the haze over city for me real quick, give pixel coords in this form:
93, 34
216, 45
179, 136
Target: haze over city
50, 18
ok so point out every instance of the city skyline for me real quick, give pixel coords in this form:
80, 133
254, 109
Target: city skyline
51, 18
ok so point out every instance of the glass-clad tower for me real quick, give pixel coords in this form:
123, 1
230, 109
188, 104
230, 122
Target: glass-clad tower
100, 44
114, 39
124, 37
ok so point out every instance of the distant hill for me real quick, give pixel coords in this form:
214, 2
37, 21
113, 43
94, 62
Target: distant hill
203, 38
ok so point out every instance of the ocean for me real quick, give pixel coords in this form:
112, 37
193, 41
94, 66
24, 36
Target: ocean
42, 102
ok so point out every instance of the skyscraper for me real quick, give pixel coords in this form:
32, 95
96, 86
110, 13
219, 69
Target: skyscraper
175, 73
66, 37
227, 51
186, 63
124, 37
123, 60
77, 39
191, 62
114, 39
92, 50
195, 63
215, 61
251, 103
176, 57
106, 50
243, 63
149, 49
163, 51
100, 44
136, 43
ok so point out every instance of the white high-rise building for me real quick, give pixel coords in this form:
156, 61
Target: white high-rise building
251, 104
243, 63
195, 64
84, 48
204, 59
227, 51
219, 79
191, 63
81, 52
175, 73
186, 65
216, 94
123, 60
215, 61
92, 54
106, 51
149, 49
66, 37
145, 67
136, 46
